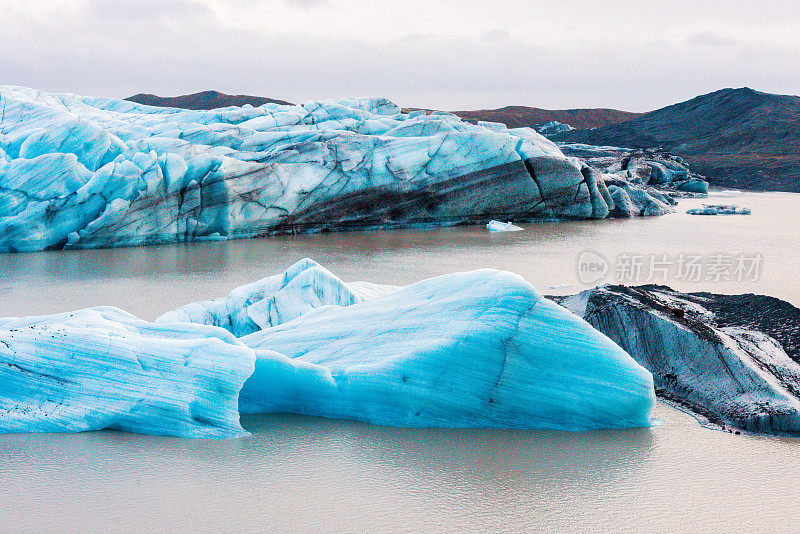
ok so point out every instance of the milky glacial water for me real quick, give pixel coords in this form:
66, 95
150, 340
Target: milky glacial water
148, 281
304, 474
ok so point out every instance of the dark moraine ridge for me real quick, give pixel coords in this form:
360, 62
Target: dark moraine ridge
735, 137
203, 100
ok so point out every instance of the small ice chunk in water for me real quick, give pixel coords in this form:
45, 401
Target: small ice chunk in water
719, 209
499, 226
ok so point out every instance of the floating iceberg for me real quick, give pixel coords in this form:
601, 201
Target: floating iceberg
477, 349
733, 360
82, 172
499, 226
103, 368
719, 209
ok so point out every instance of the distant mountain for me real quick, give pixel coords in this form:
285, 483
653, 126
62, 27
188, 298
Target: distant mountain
511, 116
736, 137
202, 100
520, 116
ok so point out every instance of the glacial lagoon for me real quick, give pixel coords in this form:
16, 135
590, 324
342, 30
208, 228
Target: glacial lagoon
301, 474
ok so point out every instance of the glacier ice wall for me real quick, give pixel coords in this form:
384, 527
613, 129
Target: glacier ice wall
641, 166
103, 368
80, 172
477, 349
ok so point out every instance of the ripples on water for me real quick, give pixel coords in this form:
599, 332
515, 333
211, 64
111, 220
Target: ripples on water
309, 474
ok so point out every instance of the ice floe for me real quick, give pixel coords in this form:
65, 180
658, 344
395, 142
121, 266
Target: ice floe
499, 226
719, 209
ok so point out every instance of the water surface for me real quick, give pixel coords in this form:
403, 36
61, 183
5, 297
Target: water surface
148, 281
303, 474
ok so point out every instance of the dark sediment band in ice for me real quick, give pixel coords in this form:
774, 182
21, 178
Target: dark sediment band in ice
732, 359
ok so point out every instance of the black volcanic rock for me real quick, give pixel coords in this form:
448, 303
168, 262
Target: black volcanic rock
733, 360
735, 137
202, 100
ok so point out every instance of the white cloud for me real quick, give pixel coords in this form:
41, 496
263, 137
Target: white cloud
450, 54
495, 35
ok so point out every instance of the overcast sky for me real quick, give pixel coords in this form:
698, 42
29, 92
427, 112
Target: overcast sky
451, 54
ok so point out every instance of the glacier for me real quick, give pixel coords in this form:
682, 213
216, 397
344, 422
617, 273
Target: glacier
83, 172
475, 349
657, 170
732, 360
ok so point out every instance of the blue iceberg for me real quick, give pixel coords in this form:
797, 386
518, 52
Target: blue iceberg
104, 368
476, 349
